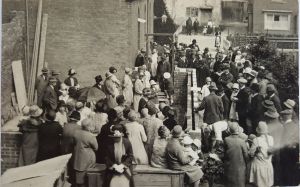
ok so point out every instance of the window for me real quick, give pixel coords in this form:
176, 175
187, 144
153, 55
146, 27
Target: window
277, 21
192, 12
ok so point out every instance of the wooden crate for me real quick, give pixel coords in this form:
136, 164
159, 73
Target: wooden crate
147, 176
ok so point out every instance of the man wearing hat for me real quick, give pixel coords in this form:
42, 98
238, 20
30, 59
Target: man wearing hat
236, 158
290, 152
72, 81
162, 67
50, 98
202, 71
55, 74
272, 96
212, 106
144, 99
181, 60
256, 109
290, 105
226, 77
140, 59
41, 84
242, 103
225, 100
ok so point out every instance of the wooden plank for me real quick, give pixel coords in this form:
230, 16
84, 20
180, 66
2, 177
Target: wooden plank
14, 102
34, 61
42, 44
19, 84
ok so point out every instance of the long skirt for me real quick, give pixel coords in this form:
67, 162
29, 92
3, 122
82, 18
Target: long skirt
136, 101
128, 95
261, 173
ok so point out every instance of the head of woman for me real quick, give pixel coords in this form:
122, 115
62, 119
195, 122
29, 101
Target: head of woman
163, 132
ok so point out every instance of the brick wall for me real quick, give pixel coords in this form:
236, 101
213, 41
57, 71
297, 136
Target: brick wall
10, 148
12, 49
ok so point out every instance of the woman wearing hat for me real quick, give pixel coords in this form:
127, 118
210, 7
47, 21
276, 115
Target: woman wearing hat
84, 151
111, 90
158, 158
29, 142
177, 159
261, 170
128, 87
138, 91
137, 137
118, 159
72, 81
236, 157
49, 137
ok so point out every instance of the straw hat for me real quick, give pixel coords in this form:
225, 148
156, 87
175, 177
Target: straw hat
152, 82
45, 70
177, 131
289, 103
187, 140
287, 112
167, 75
213, 86
247, 70
235, 86
143, 50
272, 113
35, 111
262, 127
268, 104
242, 81
197, 143
54, 72
71, 72
52, 79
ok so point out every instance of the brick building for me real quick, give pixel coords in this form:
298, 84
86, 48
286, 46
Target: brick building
90, 36
273, 16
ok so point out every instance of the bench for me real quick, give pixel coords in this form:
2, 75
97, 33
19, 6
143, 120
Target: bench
143, 175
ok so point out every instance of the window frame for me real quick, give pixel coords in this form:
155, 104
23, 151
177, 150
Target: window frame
192, 12
268, 26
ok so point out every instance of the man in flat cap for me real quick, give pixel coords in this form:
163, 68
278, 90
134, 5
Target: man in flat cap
41, 84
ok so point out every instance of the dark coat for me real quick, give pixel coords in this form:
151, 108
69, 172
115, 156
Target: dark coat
181, 63
213, 108
224, 79
202, 71
170, 123
68, 142
168, 86
30, 142
50, 99
241, 105
276, 102
109, 156
140, 60
50, 134
256, 110
162, 67
234, 71
41, 84
226, 104
236, 156
68, 81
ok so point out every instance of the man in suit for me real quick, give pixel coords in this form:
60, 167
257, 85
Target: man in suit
41, 84
212, 106
256, 109
162, 67
50, 99
226, 102
242, 103
226, 77
55, 75
271, 95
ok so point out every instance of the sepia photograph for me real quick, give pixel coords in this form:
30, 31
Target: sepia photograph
150, 93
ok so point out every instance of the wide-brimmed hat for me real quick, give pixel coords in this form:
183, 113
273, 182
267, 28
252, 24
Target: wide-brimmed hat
177, 131
247, 70
167, 75
213, 86
75, 116
55, 72
143, 50
52, 79
45, 70
71, 71
197, 143
262, 127
242, 81
35, 111
289, 103
268, 104
271, 113
128, 70
235, 86
108, 74
152, 82
286, 112
187, 140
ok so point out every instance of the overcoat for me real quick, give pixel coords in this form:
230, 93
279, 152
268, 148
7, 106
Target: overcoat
41, 84
50, 98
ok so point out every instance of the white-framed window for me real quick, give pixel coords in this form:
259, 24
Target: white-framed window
192, 11
277, 21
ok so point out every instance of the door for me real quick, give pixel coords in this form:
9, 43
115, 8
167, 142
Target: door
206, 15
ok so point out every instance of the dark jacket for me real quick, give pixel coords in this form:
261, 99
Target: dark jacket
162, 67
50, 98
226, 104
140, 60
236, 156
41, 84
170, 123
175, 155
50, 134
213, 108
242, 102
276, 102
256, 110
68, 81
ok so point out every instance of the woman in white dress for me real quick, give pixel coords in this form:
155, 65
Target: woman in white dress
261, 170
128, 87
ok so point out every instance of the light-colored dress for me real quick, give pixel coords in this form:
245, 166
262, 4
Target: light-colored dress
136, 135
128, 90
261, 170
138, 92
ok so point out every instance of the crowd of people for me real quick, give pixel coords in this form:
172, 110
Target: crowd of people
195, 27
246, 135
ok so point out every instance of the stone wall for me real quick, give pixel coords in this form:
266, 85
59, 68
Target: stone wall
12, 49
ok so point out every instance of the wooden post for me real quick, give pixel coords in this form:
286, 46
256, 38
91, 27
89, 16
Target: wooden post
27, 60
42, 44
34, 61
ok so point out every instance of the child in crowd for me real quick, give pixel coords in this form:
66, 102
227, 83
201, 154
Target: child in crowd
61, 114
187, 143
